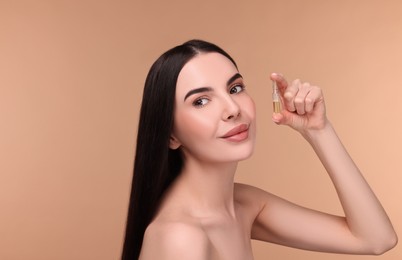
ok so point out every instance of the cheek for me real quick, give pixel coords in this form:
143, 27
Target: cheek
194, 127
249, 111
248, 107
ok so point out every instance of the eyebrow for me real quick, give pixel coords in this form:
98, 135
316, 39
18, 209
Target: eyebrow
207, 89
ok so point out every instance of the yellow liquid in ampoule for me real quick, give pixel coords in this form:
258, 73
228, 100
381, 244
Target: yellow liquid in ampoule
277, 106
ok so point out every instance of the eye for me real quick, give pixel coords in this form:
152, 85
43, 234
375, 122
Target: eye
236, 89
200, 102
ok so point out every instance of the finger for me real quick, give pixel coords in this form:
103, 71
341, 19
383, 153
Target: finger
314, 95
279, 119
280, 81
290, 94
300, 98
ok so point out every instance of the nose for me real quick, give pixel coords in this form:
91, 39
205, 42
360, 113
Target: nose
231, 109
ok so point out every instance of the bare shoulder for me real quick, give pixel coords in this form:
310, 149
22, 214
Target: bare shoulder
170, 239
251, 200
259, 200
251, 195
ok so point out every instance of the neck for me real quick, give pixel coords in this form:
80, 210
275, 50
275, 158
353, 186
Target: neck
208, 188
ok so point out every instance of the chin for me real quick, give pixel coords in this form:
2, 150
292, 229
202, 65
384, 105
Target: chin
241, 153
247, 155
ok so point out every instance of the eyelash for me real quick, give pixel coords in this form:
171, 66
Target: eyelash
199, 101
242, 87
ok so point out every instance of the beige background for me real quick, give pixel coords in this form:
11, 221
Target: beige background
71, 78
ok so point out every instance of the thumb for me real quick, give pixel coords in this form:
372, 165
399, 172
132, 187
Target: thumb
278, 118
282, 118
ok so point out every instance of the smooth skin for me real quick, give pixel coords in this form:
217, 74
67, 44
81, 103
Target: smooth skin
205, 215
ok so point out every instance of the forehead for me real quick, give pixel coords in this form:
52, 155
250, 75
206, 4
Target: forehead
205, 69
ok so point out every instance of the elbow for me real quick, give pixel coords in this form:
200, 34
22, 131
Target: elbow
385, 245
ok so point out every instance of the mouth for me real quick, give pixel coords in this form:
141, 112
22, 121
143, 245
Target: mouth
237, 134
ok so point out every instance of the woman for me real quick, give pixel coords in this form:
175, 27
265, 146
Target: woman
196, 123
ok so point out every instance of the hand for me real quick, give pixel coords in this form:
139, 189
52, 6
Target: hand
303, 106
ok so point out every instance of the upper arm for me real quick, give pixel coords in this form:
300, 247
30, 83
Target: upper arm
175, 241
282, 222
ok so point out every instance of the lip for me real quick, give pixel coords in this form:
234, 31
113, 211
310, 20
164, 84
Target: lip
237, 134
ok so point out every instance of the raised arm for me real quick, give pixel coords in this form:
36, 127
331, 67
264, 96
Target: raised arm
365, 228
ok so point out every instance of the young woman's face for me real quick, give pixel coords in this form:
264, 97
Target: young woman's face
214, 118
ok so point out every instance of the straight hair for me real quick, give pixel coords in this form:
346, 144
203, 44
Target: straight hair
156, 166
